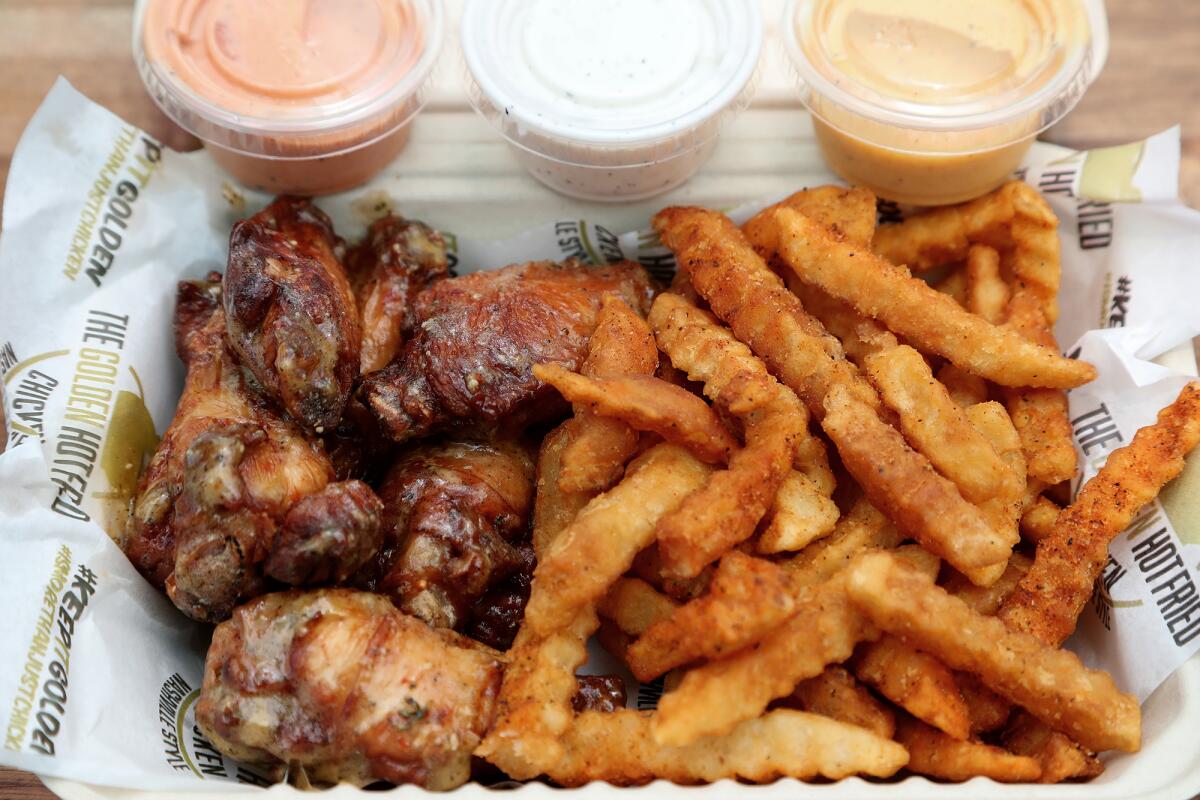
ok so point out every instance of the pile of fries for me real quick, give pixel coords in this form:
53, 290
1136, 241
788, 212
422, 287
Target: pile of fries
823, 498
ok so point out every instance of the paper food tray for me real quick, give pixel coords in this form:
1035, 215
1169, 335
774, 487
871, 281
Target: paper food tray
456, 168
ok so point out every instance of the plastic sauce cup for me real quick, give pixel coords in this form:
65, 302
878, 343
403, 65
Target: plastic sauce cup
611, 101
929, 102
291, 97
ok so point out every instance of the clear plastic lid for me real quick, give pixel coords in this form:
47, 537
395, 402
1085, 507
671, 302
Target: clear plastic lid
617, 75
281, 78
920, 65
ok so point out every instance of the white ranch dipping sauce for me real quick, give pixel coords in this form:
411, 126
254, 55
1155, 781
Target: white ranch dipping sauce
611, 100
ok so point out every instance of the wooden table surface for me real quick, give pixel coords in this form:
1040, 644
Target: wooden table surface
1151, 81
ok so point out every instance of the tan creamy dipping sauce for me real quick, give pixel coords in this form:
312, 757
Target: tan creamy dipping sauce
935, 101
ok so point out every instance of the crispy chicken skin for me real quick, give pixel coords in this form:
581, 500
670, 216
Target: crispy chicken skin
343, 686
291, 314
235, 492
389, 269
455, 526
478, 336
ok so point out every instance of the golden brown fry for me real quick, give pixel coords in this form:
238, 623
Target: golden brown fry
1035, 257
836, 694
849, 212
753, 301
598, 547
636, 605
987, 293
964, 388
954, 285
1042, 416
1003, 509
748, 599
938, 427
933, 753
620, 748
801, 514
1048, 600
1059, 757
863, 528
620, 345
912, 309
988, 711
1037, 523
915, 681
903, 485
649, 567
554, 509
944, 235
646, 403
533, 709
988, 599
613, 639
860, 335
1051, 684
713, 697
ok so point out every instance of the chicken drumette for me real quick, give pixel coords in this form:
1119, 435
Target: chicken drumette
397, 260
455, 526
291, 313
340, 685
478, 336
236, 492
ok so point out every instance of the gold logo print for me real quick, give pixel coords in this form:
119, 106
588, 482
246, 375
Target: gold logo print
128, 446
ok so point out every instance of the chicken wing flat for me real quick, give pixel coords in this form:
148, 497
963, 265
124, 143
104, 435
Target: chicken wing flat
291, 314
455, 526
235, 492
479, 335
398, 259
341, 685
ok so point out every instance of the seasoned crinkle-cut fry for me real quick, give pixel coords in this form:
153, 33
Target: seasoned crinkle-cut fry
988, 711
863, 528
636, 605
533, 709
1002, 509
938, 427
748, 598
915, 681
1059, 757
713, 697
1041, 416
743, 291
1037, 521
727, 509
987, 292
988, 599
860, 335
835, 693
1048, 600
648, 565
801, 514
554, 509
944, 235
598, 547
619, 748
1036, 261
963, 387
1051, 684
954, 285
848, 212
933, 753
912, 309
646, 403
903, 485
621, 344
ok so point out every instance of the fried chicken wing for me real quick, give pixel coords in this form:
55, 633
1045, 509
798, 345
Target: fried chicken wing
236, 492
343, 686
397, 260
455, 521
478, 336
291, 314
